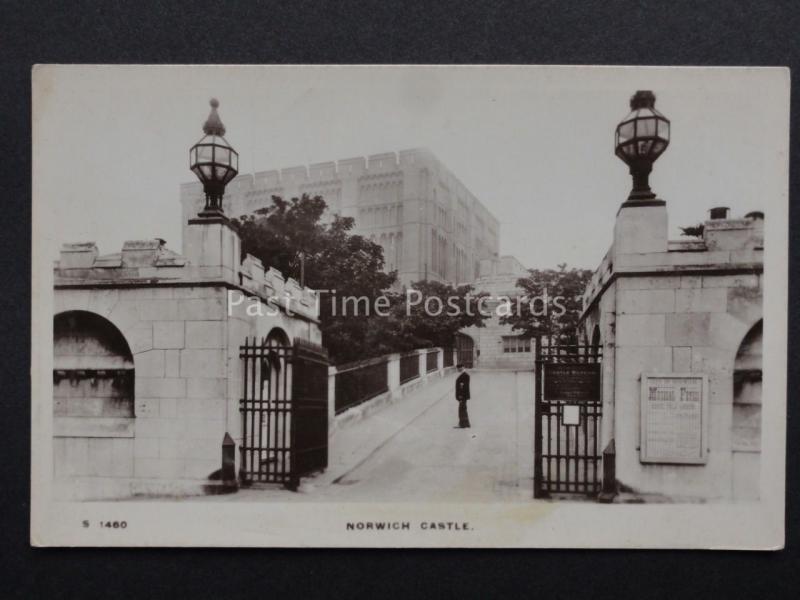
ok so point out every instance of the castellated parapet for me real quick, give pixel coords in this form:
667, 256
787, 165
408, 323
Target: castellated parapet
428, 223
725, 244
150, 263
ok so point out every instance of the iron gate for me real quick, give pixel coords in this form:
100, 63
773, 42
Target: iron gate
284, 407
568, 418
466, 350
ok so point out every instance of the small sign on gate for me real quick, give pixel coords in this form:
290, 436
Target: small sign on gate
572, 381
571, 414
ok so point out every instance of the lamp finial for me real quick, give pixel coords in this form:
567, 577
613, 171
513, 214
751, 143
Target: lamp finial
213, 124
643, 99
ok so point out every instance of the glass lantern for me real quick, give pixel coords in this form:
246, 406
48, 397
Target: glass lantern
640, 139
213, 161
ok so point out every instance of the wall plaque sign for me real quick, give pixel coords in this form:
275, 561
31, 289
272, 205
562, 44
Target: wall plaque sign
570, 414
564, 381
674, 411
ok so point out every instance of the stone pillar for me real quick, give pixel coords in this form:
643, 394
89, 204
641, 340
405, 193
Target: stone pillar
140, 253
440, 361
228, 460
213, 246
331, 395
77, 256
393, 365
633, 343
641, 228
607, 322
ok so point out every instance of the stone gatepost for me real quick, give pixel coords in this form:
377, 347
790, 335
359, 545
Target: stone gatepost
213, 246
641, 228
393, 367
331, 396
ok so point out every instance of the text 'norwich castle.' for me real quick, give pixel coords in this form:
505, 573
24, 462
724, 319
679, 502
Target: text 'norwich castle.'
429, 224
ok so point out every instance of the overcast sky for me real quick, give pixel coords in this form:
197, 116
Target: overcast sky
534, 144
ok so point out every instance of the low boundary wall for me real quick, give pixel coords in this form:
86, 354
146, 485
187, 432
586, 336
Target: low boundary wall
356, 410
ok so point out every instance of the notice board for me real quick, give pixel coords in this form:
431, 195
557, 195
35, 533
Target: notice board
575, 382
674, 425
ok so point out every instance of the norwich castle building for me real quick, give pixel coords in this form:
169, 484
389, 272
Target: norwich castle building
428, 223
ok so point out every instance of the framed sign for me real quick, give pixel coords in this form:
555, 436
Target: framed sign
568, 381
674, 413
570, 414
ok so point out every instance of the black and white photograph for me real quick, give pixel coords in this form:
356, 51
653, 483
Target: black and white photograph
409, 306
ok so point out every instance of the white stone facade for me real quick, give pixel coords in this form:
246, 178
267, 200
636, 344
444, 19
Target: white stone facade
497, 345
429, 224
181, 348
690, 307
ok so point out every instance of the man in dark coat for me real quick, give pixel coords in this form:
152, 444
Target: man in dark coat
462, 395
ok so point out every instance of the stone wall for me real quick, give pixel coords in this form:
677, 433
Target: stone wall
187, 377
396, 389
498, 278
184, 319
490, 347
686, 310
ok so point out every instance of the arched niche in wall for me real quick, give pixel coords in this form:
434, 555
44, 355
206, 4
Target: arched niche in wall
596, 341
275, 370
746, 425
277, 337
93, 369
93, 399
747, 391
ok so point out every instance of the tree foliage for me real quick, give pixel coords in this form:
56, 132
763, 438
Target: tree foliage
550, 304
431, 313
294, 236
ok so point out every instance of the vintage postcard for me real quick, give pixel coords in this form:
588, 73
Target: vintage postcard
409, 306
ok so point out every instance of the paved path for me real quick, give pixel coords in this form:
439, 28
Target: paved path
429, 460
410, 450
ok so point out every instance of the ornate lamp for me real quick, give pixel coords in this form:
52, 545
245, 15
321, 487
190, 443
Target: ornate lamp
214, 162
641, 138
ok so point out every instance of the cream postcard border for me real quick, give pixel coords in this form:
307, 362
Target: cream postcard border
758, 525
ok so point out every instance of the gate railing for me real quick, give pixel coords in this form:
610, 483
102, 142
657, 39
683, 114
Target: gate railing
568, 419
432, 360
358, 382
466, 350
309, 410
448, 357
265, 406
289, 393
409, 367
284, 408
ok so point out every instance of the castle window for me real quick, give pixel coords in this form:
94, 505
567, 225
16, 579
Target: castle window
515, 343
